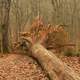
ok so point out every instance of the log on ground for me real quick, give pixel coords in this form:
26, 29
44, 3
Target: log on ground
53, 66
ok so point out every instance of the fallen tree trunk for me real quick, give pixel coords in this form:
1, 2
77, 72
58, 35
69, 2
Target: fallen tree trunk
54, 67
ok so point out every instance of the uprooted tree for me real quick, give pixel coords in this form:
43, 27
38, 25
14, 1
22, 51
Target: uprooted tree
53, 66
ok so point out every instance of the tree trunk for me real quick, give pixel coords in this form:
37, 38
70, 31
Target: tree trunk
5, 23
54, 67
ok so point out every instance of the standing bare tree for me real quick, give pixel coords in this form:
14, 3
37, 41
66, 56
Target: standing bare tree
5, 23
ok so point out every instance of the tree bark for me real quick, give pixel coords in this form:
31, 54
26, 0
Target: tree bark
53, 66
5, 23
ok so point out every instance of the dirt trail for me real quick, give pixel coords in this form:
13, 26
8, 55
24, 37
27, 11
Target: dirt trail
20, 67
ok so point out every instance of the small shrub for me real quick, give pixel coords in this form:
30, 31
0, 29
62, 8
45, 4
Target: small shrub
70, 52
78, 54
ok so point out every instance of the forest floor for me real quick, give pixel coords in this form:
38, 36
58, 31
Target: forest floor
21, 67
73, 62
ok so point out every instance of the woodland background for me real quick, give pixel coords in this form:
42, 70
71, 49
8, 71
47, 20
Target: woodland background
17, 15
